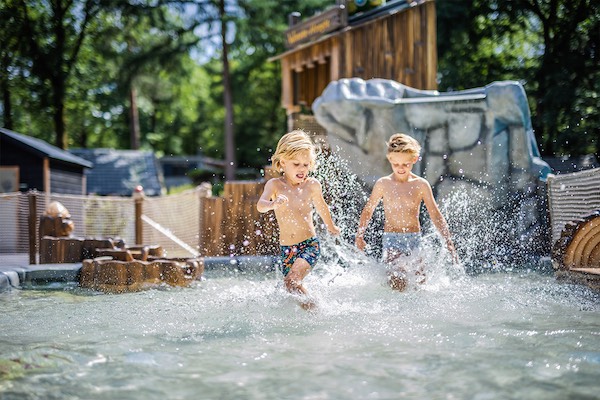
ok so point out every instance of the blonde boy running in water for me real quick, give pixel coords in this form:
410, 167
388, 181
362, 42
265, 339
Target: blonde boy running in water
293, 197
402, 193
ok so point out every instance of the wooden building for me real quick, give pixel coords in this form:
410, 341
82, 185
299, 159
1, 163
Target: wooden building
28, 163
396, 40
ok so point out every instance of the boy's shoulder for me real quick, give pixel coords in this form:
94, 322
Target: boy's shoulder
383, 179
388, 180
420, 181
418, 178
313, 182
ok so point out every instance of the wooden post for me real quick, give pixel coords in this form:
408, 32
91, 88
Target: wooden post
32, 226
138, 198
211, 233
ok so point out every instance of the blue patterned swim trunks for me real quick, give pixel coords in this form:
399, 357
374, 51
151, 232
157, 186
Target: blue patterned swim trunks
395, 244
308, 250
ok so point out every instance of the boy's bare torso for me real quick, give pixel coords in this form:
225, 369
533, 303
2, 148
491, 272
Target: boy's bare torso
295, 217
401, 203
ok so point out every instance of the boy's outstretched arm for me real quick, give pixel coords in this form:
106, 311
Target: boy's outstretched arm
438, 220
268, 201
366, 214
322, 207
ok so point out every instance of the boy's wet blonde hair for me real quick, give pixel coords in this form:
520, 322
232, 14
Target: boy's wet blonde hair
290, 145
401, 143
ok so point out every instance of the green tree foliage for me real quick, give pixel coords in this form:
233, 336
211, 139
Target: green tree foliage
553, 47
258, 27
95, 52
79, 60
50, 36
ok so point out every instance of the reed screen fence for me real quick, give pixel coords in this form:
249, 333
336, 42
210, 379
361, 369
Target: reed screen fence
173, 221
572, 196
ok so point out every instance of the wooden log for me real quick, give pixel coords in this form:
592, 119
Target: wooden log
173, 274
152, 273
72, 249
87, 274
113, 276
135, 275
579, 244
90, 247
115, 254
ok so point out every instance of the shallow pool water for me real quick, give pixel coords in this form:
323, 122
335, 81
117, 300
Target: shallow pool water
518, 335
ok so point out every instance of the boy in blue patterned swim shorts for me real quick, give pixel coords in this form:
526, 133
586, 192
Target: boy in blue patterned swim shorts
294, 197
402, 193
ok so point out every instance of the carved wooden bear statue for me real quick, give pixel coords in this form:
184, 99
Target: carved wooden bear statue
56, 221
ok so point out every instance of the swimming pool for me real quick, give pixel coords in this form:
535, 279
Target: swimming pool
239, 335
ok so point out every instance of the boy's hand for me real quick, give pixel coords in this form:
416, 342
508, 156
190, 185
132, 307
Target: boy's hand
360, 243
279, 200
453, 253
334, 229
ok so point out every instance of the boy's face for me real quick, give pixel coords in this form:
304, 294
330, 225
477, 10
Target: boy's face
402, 163
296, 168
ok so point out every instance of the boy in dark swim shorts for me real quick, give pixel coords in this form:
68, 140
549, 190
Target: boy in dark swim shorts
294, 197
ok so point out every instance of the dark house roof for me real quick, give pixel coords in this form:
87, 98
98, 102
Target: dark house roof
565, 165
118, 172
42, 149
389, 7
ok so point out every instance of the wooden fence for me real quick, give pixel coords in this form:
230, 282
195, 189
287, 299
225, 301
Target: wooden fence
231, 224
182, 223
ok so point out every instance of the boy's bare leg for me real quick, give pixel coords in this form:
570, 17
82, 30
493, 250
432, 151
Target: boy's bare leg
420, 272
293, 281
397, 280
397, 276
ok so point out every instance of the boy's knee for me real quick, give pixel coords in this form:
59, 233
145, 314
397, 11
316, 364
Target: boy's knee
300, 267
291, 282
397, 282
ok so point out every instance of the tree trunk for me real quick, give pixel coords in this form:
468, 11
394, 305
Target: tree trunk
134, 120
58, 100
6, 104
230, 162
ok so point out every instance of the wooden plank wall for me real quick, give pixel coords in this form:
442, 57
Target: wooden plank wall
401, 47
231, 224
307, 72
